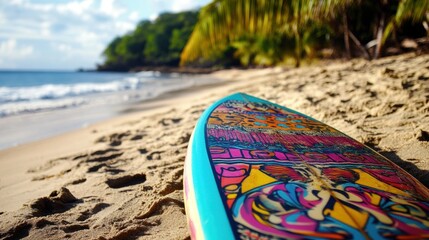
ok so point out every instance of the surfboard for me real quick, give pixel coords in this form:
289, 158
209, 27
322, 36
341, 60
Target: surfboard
257, 170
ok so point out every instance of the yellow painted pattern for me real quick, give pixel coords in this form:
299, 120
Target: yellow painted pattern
255, 179
367, 180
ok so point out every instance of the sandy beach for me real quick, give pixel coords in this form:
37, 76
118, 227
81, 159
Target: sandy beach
122, 178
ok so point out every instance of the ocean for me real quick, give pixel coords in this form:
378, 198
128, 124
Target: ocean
39, 104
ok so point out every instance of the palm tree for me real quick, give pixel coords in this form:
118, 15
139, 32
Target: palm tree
415, 10
223, 21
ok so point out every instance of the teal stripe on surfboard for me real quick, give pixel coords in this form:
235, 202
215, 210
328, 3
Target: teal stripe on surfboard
210, 208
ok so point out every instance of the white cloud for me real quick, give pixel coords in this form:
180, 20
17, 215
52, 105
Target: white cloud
17, 2
109, 8
74, 7
124, 26
80, 28
45, 28
2, 19
181, 5
134, 16
85, 37
28, 5
176, 5
68, 51
64, 48
51, 17
78, 8
153, 16
10, 50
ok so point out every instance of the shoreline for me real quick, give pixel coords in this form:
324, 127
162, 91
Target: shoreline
122, 178
39, 124
86, 137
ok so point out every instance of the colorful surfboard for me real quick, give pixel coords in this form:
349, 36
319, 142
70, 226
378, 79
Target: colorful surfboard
256, 170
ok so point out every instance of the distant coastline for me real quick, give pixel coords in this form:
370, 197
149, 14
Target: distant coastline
170, 69
161, 69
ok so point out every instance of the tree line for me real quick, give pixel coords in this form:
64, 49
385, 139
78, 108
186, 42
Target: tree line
157, 43
270, 32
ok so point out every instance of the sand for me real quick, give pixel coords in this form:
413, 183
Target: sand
122, 178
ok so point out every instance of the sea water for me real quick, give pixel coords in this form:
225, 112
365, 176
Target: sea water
38, 104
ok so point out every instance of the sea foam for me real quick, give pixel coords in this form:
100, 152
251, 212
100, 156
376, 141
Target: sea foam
56, 91
139, 86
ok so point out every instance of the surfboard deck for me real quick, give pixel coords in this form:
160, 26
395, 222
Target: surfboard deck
257, 170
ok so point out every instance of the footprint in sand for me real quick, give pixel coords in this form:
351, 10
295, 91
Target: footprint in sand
91, 212
74, 228
155, 155
125, 181
57, 202
114, 139
19, 231
104, 155
169, 121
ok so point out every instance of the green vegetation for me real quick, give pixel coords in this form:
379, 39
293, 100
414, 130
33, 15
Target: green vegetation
157, 43
270, 32
302, 24
224, 22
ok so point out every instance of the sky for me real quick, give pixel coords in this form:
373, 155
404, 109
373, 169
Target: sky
67, 35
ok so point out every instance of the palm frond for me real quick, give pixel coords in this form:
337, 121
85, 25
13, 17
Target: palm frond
414, 10
223, 21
